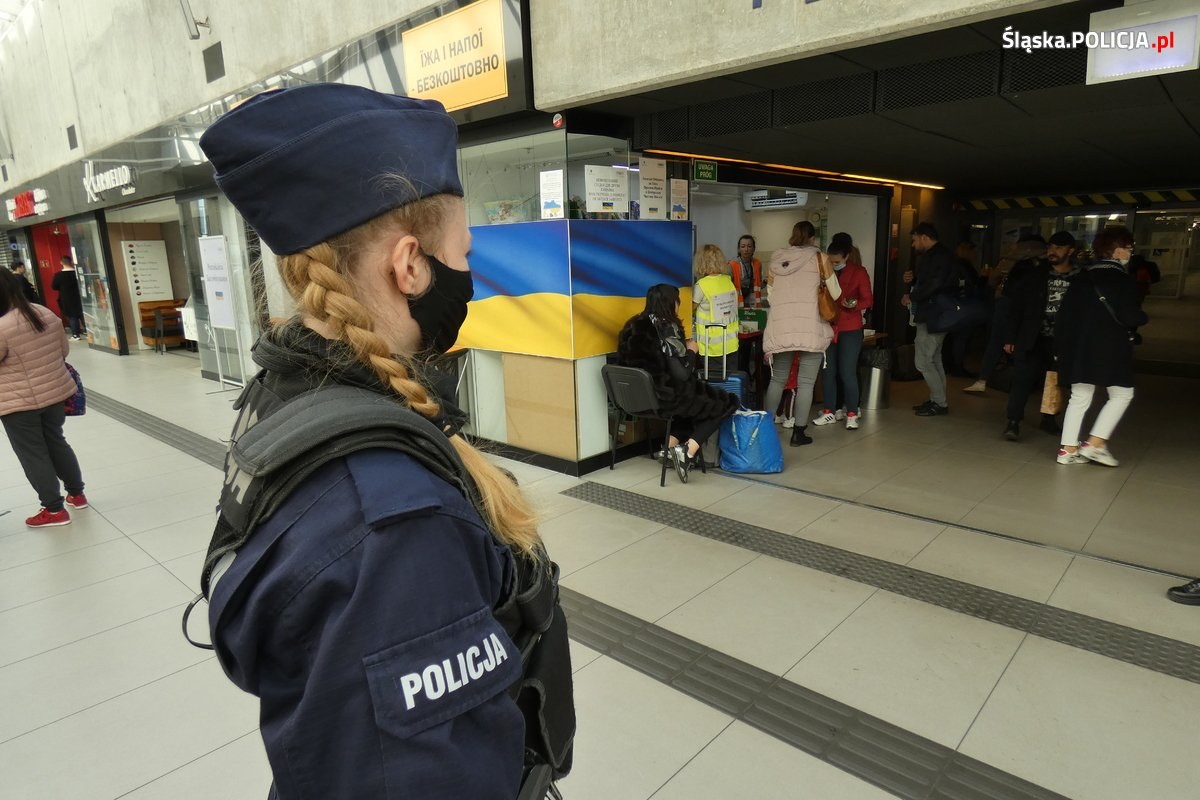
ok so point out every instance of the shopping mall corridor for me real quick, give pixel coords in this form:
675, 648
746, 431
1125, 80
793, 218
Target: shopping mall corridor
915, 609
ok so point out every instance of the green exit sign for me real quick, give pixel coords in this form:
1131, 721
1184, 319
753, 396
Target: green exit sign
704, 170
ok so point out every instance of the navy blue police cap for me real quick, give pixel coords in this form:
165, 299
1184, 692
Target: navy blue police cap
307, 163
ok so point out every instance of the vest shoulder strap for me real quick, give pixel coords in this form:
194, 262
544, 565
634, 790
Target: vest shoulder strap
275, 454
320, 417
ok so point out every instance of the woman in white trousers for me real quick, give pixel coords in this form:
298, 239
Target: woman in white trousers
1094, 347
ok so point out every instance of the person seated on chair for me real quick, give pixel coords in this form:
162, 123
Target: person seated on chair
654, 341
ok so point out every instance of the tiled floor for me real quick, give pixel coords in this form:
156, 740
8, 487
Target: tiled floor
958, 469
103, 699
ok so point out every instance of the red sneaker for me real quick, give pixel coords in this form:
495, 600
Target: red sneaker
77, 500
49, 519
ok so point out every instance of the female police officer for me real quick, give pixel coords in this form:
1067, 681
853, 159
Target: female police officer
370, 606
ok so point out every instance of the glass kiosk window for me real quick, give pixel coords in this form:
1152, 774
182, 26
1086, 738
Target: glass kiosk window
94, 290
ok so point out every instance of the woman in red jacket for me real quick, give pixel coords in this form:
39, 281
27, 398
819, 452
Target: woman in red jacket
34, 385
841, 359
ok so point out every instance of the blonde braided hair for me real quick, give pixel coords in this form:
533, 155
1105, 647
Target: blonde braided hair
320, 280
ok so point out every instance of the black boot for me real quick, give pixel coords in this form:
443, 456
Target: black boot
799, 437
1188, 594
1013, 431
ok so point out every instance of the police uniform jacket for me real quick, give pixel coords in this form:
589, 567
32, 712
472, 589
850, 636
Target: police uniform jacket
361, 614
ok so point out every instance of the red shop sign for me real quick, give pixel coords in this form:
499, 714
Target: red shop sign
25, 203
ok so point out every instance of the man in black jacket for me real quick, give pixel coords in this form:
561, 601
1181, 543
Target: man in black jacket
1035, 295
70, 302
936, 274
31, 294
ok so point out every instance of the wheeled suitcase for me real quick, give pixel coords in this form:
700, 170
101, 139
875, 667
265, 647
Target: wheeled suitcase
736, 383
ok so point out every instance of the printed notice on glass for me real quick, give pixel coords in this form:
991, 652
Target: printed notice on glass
652, 188
679, 198
552, 194
187, 315
217, 286
607, 189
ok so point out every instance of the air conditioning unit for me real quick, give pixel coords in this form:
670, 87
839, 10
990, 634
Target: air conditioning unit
767, 199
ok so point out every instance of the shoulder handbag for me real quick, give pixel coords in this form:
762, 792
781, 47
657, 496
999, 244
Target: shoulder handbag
945, 312
827, 306
677, 366
1134, 336
76, 403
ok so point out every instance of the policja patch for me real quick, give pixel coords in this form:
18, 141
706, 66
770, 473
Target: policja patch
438, 676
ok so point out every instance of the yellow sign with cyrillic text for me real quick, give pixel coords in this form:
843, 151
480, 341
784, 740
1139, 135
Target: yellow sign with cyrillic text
458, 59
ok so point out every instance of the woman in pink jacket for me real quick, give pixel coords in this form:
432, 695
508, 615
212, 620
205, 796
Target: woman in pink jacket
34, 385
795, 329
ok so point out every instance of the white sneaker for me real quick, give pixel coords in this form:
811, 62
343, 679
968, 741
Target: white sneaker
1098, 454
978, 387
828, 418
852, 422
840, 414
1070, 458
789, 422
779, 420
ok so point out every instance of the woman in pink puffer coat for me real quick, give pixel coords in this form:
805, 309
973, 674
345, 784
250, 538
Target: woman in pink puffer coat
34, 385
795, 330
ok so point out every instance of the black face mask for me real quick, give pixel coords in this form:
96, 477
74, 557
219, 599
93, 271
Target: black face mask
441, 311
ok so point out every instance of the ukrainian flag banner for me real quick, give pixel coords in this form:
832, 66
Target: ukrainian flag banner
613, 263
522, 300
564, 288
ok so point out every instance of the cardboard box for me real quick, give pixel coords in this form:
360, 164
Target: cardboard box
637, 430
539, 404
632, 430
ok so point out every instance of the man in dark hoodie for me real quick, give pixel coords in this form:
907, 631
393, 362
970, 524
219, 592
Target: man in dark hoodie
27, 289
936, 274
1030, 247
1035, 290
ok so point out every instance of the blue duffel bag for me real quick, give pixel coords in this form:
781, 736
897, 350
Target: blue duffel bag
749, 444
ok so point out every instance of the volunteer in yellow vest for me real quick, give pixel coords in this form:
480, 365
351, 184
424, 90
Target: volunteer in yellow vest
715, 299
746, 271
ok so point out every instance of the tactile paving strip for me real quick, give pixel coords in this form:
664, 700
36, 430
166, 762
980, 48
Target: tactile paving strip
195, 445
1158, 653
901, 762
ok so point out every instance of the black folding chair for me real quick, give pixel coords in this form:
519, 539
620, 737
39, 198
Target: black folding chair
631, 392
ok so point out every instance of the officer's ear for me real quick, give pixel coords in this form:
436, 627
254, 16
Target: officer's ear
406, 266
